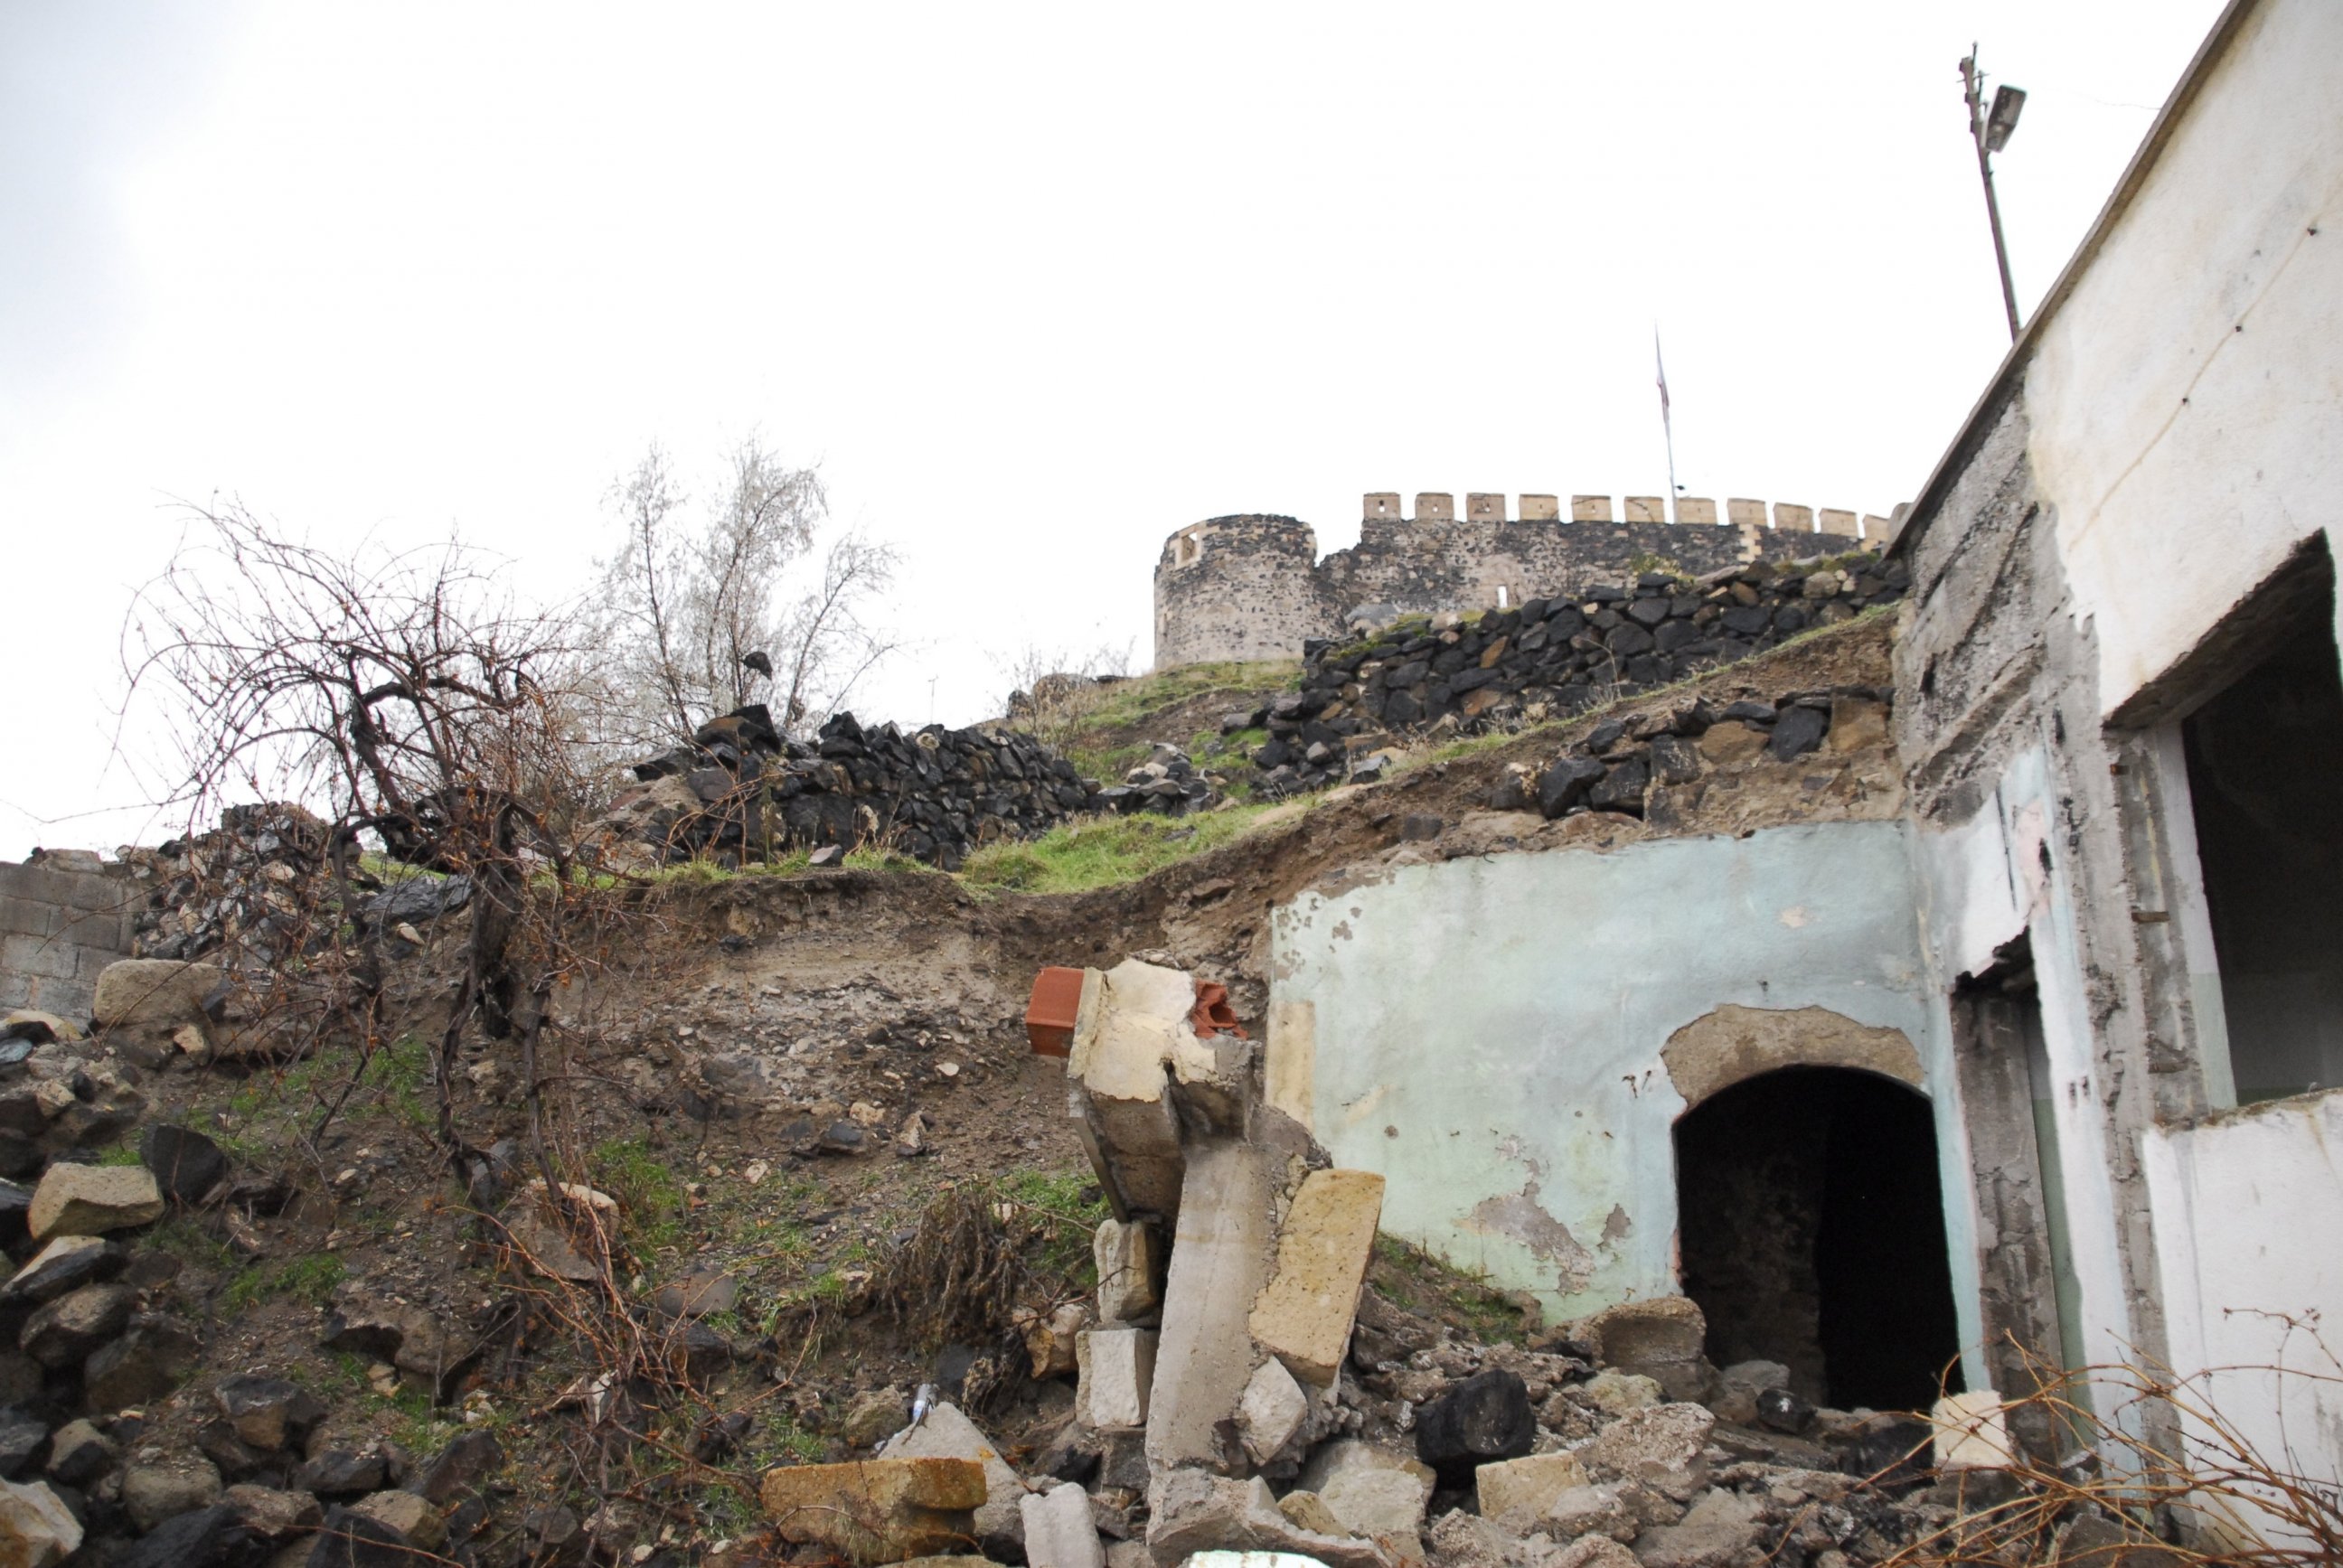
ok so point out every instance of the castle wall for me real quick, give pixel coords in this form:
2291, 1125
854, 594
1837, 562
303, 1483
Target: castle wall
1238, 588
1251, 587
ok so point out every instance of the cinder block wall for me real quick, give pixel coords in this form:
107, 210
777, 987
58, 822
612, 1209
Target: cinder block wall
57, 929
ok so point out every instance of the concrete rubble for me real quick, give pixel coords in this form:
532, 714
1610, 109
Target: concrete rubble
1241, 1395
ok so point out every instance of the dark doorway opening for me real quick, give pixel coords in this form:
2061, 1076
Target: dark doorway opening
2263, 756
1812, 1224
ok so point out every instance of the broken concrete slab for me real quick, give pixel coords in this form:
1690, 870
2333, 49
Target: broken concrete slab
1713, 1531
946, 1432
1117, 1372
1660, 1448
1374, 1491
92, 1199
1192, 1511
1303, 1317
1128, 1268
1220, 1251
1058, 1530
1579, 1512
1516, 1492
1133, 1025
1272, 1410
876, 1510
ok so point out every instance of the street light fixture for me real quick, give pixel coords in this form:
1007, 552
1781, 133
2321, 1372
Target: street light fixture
1990, 129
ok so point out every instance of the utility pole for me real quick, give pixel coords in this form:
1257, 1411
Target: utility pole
1989, 129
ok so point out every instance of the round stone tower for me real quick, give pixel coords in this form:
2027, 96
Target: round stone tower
1238, 588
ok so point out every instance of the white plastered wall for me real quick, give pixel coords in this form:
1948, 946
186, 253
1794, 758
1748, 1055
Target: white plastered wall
2185, 411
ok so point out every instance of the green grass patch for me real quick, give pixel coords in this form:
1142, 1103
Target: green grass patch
311, 1278
1102, 852
1068, 1207
123, 1153
1429, 1286
647, 1188
879, 858
185, 1239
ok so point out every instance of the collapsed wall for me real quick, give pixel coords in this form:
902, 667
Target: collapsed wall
741, 793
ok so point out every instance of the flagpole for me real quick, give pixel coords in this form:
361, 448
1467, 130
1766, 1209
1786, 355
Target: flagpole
1667, 427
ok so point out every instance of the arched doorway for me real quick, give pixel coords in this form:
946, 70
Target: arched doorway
1811, 1222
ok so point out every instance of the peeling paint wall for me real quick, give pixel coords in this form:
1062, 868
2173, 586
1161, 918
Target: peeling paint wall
1488, 1032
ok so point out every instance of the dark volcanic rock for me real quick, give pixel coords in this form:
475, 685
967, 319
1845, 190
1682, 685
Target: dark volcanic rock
1486, 1417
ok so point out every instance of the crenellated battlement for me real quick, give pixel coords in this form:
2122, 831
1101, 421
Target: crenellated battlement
1251, 586
1489, 507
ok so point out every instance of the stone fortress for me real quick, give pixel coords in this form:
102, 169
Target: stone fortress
1251, 587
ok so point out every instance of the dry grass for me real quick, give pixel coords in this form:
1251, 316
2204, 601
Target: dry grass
2150, 1469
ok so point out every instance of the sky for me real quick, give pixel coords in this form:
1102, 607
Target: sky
1033, 285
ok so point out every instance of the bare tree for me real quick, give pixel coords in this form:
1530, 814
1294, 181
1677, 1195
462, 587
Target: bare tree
704, 617
408, 701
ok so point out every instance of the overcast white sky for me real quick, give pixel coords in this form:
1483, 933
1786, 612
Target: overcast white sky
1035, 285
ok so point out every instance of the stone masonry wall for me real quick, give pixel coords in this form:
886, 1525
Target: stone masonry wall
1251, 587
59, 926
1238, 588
1546, 659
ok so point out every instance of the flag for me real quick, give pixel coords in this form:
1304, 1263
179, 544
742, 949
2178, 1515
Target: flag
1664, 378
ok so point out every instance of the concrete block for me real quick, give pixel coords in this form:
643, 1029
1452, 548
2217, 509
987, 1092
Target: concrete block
1516, 1492
1381, 505
1691, 509
944, 1433
1590, 508
1221, 1250
38, 958
1541, 509
1647, 509
1434, 506
1661, 1337
1877, 530
1122, 1046
1116, 1368
1058, 1530
1128, 1268
1745, 513
876, 1510
1192, 1510
1793, 519
1373, 1491
1972, 1434
1832, 521
1303, 1317
1482, 506
1272, 1410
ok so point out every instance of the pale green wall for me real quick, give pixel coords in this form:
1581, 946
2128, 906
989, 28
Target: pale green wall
1490, 1029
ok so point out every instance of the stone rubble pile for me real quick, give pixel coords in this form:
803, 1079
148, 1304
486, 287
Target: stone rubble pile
742, 792
1241, 1390
1545, 658
1653, 764
1168, 782
96, 1338
238, 885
